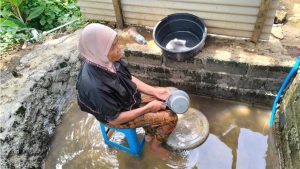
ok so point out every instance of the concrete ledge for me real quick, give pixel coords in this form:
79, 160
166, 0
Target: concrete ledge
232, 67
247, 76
151, 56
213, 90
250, 87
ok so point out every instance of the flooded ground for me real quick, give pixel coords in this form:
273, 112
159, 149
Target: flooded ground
239, 138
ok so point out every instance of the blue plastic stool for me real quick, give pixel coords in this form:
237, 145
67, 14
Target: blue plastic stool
135, 146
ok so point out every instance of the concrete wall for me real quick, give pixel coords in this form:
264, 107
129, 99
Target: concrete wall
32, 104
288, 126
254, 81
232, 17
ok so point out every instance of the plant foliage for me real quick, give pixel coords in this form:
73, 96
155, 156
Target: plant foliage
18, 17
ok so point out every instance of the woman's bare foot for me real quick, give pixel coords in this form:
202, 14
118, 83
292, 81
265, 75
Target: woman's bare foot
157, 148
148, 138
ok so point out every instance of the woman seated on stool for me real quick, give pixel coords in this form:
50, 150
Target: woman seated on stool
107, 90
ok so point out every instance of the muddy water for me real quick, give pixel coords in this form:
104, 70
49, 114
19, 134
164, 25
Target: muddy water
238, 139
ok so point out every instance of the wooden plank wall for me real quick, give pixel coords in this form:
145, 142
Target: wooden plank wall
231, 17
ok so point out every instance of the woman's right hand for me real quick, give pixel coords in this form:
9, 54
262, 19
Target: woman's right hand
155, 106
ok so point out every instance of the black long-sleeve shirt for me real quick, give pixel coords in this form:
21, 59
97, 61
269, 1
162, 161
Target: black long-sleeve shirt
106, 94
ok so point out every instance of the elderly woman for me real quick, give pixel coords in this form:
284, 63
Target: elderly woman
107, 90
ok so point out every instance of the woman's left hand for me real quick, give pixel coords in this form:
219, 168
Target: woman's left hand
162, 93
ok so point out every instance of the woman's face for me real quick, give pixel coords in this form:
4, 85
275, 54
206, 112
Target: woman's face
115, 51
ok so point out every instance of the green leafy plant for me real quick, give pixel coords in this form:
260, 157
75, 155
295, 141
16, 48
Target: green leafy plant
10, 37
18, 17
11, 14
48, 14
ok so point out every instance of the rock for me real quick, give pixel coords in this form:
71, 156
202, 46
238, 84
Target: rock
277, 32
74, 57
36, 76
46, 83
78, 66
280, 16
55, 88
61, 75
16, 74
63, 88
40, 93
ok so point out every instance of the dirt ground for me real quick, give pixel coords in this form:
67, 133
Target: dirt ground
291, 29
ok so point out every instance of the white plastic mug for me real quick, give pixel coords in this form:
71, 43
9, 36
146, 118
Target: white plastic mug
178, 101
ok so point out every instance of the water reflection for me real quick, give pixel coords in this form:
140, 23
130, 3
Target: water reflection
252, 149
210, 155
238, 139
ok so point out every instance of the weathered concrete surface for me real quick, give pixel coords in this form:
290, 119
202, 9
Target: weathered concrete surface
33, 102
227, 69
287, 125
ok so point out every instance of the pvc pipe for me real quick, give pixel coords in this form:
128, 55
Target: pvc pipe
36, 35
54, 29
283, 86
